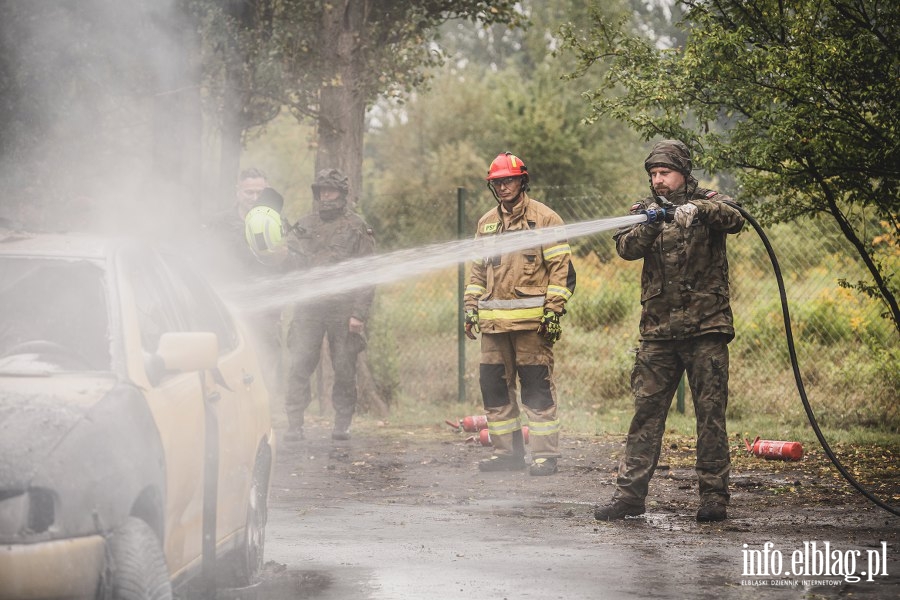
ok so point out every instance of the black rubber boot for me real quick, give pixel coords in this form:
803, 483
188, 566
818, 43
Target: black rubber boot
710, 512
499, 462
617, 509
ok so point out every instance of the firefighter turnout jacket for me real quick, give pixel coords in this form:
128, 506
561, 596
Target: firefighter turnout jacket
511, 290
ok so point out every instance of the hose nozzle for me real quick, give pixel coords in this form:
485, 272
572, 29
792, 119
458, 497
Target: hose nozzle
665, 212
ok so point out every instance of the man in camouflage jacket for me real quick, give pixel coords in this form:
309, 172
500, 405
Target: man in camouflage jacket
686, 325
328, 235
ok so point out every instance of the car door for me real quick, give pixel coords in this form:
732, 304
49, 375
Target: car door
237, 387
149, 309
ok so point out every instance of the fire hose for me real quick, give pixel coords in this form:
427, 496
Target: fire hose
663, 214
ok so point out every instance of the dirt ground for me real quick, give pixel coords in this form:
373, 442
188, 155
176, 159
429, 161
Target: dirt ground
406, 514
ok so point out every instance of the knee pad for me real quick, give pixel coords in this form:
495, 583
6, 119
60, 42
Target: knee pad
492, 379
535, 386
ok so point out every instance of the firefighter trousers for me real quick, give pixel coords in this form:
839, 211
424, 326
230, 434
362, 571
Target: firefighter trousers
526, 358
658, 368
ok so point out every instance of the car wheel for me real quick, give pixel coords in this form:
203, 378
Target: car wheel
138, 568
250, 557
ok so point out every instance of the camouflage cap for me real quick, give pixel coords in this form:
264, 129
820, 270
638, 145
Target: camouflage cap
670, 153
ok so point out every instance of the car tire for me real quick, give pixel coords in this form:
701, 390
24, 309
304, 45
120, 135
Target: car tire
137, 569
250, 554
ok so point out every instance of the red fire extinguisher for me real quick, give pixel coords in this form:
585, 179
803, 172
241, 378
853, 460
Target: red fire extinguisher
485, 437
773, 450
470, 424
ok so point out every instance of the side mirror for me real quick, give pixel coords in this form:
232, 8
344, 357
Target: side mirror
188, 350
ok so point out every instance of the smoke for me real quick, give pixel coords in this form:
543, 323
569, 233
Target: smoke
92, 93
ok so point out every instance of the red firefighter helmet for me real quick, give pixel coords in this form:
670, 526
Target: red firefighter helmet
507, 165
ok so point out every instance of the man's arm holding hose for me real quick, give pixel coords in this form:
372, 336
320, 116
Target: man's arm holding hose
715, 214
632, 243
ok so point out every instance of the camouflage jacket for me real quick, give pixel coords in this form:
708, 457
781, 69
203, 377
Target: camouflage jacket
512, 290
314, 242
684, 280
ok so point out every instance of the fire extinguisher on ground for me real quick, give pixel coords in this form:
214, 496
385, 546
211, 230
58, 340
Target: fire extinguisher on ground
775, 450
471, 424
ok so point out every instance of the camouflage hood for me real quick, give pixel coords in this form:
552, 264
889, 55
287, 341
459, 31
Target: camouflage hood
670, 153
330, 179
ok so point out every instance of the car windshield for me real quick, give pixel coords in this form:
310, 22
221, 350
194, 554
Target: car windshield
53, 316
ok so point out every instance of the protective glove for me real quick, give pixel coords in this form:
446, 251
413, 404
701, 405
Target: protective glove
550, 327
472, 325
685, 214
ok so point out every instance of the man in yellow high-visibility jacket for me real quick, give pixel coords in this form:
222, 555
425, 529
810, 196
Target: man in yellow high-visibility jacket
515, 300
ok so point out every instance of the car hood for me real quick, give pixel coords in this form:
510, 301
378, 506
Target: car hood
36, 413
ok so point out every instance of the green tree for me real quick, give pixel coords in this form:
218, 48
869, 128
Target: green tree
500, 89
800, 99
325, 61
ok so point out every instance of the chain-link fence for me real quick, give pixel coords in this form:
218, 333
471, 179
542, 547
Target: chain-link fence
848, 353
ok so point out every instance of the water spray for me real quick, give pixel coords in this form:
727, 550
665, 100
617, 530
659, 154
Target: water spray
304, 286
266, 293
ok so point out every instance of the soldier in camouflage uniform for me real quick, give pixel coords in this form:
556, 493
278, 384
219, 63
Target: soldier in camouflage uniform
330, 234
686, 325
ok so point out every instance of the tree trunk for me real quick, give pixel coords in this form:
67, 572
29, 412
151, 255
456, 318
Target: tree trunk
341, 124
342, 107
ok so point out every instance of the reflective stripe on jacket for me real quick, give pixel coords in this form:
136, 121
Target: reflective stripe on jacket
512, 290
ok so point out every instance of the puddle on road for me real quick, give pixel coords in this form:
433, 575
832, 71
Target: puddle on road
662, 521
280, 583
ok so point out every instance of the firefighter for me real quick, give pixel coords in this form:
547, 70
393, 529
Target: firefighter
515, 300
330, 234
686, 325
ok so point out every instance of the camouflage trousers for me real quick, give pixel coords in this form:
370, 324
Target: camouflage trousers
305, 346
525, 356
657, 371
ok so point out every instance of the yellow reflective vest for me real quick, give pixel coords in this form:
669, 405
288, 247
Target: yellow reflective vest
512, 290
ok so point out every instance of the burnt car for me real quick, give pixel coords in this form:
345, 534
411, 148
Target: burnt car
136, 443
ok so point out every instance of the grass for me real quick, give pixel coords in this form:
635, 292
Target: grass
849, 357
423, 418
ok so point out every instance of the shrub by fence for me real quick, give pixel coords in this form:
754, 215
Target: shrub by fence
849, 355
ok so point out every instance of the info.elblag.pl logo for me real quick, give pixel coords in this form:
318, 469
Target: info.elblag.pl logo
814, 559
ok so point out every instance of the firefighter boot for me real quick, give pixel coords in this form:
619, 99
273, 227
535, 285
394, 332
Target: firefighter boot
507, 462
543, 466
502, 462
